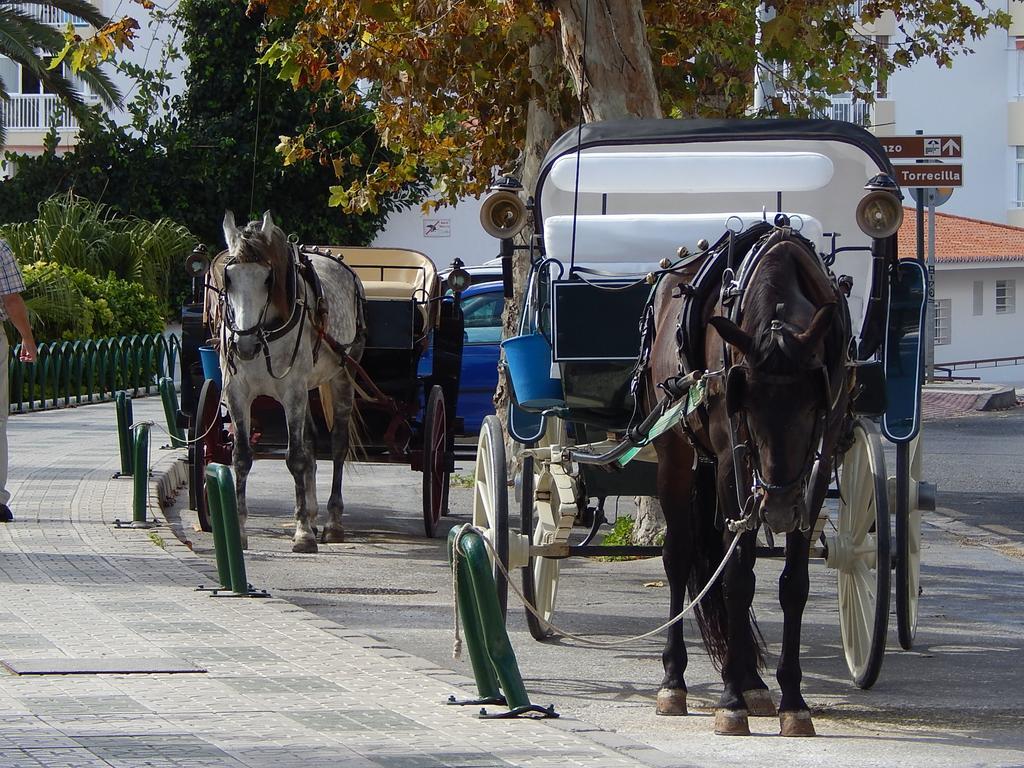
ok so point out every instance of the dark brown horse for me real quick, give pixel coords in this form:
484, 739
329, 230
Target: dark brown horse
757, 449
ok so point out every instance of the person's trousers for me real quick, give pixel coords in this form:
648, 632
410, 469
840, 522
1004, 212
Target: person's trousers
5, 410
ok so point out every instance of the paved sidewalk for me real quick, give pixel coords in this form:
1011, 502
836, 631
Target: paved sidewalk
210, 681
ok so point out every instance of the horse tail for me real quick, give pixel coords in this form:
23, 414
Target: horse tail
708, 551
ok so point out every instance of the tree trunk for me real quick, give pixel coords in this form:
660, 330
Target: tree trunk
649, 528
617, 78
544, 124
617, 81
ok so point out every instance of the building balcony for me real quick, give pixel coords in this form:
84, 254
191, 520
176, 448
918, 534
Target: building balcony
37, 112
46, 15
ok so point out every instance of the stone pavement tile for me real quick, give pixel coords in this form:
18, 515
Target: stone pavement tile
282, 687
51, 758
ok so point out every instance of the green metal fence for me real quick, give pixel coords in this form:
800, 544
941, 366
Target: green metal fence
74, 372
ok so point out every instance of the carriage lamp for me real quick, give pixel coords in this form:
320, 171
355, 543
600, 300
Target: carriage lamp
458, 278
503, 214
197, 263
880, 212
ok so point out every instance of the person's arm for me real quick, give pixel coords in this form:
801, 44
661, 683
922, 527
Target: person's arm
18, 313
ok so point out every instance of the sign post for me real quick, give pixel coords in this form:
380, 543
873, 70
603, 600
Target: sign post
932, 179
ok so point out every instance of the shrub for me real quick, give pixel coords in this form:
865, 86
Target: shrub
67, 303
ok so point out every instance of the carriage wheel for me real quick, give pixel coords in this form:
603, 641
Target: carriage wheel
436, 475
908, 541
540, 576
490, 500
209, 446
860, 552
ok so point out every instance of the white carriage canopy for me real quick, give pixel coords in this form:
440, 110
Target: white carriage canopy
640, 189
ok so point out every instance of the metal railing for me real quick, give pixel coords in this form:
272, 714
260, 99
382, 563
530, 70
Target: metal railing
74, 372
974, 365
38, 111
849, 110
47, 14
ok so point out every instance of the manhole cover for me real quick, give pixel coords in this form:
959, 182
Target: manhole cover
361, 590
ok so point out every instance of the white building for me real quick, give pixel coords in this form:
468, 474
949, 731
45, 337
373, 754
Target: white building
978, 267
31, 111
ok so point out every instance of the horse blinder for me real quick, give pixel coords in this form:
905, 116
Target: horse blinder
735, 389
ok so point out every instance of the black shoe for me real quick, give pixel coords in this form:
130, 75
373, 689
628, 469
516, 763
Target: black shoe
5, 514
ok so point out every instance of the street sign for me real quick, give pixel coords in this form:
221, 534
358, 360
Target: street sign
929, 174
923, 146
934, 196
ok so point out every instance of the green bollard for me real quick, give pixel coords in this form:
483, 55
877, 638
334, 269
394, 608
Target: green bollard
219, 482
140, 495
220, 548
170, 401
483, 671
123, 408
474, 575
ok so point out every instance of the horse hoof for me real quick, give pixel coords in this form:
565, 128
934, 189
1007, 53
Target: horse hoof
796, 723
306, 545
731, 722
759, 703
671, 701
333, 535
245, 542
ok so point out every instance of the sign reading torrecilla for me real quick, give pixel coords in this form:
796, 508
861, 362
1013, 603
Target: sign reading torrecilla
929, 175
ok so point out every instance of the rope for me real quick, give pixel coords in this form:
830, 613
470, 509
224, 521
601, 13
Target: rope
554, 628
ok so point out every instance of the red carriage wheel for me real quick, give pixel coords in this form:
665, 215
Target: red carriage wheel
210, 445
436, 469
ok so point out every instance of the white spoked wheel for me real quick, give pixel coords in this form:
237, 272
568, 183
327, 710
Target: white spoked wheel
490, 500
860, 553
540, 576
908, 542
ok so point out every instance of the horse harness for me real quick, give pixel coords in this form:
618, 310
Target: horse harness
730, 263
300, 270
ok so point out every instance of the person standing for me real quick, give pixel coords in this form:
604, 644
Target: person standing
12, 307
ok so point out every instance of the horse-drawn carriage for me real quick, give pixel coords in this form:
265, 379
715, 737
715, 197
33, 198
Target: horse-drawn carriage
716, 315
367, 316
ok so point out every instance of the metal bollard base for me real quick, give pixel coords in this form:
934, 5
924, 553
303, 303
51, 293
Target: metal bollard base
137, 524
251, 592
544, 713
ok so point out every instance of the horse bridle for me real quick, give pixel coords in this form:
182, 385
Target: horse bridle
747, 451
230, 332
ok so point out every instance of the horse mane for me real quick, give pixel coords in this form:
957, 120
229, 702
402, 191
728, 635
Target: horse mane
785, 272
253, 247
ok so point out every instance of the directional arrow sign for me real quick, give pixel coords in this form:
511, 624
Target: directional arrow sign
923, 146
929, 174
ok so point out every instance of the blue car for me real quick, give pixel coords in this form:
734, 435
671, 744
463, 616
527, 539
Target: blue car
482, 305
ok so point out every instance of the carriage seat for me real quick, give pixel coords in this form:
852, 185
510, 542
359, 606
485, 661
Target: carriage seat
636, 242
394, 274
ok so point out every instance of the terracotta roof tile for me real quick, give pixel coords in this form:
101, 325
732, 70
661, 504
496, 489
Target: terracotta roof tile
959, 239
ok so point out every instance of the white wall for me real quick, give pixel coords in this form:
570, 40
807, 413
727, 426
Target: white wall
466, 238
987, 335
970, 99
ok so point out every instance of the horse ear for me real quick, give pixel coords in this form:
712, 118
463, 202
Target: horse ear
230, 230
732, 333
268, 225
820, 324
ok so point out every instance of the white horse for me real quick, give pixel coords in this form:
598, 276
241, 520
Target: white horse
287, 321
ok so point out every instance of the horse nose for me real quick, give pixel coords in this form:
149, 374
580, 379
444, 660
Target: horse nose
782, 513
246, 347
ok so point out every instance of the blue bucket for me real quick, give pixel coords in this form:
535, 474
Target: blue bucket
211, 363
529, 366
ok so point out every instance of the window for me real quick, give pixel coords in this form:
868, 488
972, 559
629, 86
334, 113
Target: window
1019, 202
1006, 297
482, 314
943, 309
979, 298
10, 75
